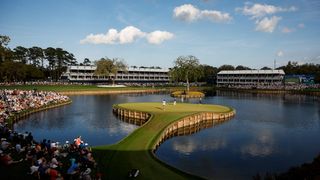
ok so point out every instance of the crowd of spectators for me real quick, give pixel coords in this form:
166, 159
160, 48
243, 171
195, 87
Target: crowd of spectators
275, 86
46, 159
15, 101
42, 83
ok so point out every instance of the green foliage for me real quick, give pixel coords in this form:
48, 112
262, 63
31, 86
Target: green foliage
265, 68
209, 74
226, 67
107, 67
5, 52
308, 69
21, 54
15, 71
86, 62
25, 64
186, 69
240, 67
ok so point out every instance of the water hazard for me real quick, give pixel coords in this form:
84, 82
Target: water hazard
269, 133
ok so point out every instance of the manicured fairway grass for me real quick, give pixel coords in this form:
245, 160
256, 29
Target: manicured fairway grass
135, 151
64, 88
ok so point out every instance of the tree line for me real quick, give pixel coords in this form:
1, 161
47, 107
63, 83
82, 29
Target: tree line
34, 63
188, 68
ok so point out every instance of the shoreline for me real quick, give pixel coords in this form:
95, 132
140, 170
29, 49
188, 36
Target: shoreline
102, 92
143, 142
23, 114
271, 91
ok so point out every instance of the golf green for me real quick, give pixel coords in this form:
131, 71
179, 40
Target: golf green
136, 150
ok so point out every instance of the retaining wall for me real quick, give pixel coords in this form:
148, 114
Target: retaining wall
184, 126
21, 115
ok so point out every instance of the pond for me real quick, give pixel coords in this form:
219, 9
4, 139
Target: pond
270, 133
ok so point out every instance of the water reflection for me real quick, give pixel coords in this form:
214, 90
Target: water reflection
270, 132
261, 145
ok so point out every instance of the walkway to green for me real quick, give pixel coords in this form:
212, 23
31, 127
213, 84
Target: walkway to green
136, 150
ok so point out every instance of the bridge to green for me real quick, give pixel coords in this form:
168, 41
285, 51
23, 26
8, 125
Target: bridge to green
136, 150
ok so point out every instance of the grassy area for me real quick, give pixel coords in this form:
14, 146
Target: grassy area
64, 88
135, 151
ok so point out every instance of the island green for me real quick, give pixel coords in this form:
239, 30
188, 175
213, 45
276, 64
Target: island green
136, 150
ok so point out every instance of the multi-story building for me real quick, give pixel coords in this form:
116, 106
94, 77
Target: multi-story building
250, 77
131, 75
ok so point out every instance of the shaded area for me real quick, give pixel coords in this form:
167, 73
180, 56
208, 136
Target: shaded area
305, 171
136, 150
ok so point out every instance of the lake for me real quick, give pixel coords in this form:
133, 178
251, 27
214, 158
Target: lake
270, 132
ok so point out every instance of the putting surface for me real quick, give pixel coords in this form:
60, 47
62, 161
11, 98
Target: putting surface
135, 151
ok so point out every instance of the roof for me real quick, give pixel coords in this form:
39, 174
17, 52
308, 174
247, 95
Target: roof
280, 71
128, 69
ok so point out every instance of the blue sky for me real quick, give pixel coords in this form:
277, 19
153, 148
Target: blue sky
156, 32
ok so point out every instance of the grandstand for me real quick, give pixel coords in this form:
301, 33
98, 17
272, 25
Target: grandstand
250, 77
86, 74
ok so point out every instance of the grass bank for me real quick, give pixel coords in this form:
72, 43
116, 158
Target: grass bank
84, 89
136, 150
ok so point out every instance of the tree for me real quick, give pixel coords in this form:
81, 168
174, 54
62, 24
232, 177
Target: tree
21, 54
107, 67
50, 55
226, 67
209, 74
240, 67
63, 59
265, 68
5, 52
86, 62
36, 56
186, 68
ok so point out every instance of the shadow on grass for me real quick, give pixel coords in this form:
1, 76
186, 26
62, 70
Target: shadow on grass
117, 163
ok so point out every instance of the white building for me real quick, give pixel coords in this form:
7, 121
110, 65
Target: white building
250, 77
140, 75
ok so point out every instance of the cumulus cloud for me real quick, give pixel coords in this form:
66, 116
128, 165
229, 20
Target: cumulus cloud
267, 24
127, 35
260, 10
157, 37
287, 30
186, 12
189, 13
215, 16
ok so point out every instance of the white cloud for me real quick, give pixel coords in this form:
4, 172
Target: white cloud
260, 13
215, 16
301, 25
287, 30
157, 37
260, 10
189, 13
186, 12
267, 24
280, 53
127, 35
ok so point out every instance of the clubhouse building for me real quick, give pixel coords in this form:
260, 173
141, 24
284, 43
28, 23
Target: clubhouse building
250, 78
85, 74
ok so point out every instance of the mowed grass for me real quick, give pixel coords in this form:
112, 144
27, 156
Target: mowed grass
66, 88
135, 151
